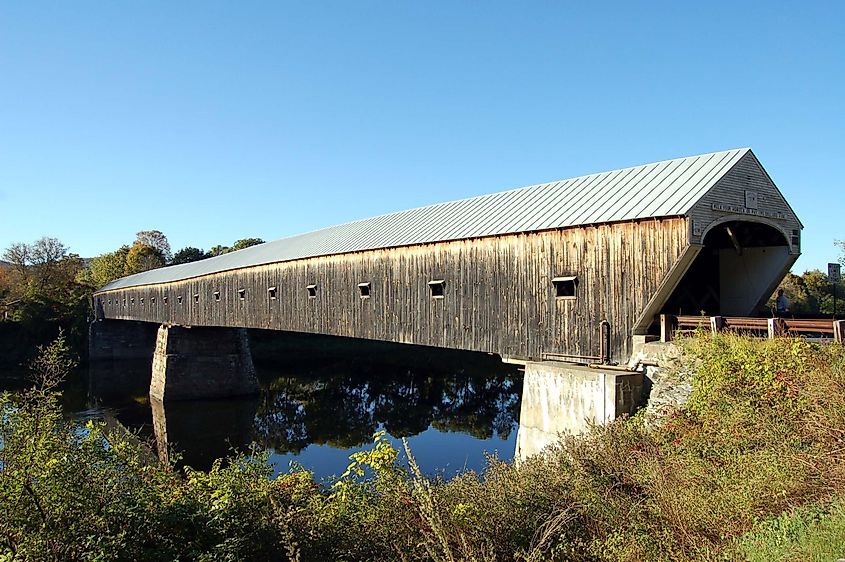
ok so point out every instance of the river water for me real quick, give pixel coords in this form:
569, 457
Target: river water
321, 400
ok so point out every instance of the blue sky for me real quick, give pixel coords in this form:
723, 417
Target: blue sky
215, 121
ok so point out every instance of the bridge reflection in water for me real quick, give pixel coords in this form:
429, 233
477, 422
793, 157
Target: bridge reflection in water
323, 398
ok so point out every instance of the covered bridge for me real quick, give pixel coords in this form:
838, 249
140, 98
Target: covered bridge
567, 270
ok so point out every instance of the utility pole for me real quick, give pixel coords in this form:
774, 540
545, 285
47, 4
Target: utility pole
834, 273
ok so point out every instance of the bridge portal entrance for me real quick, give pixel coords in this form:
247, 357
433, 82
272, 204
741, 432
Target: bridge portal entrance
736, 270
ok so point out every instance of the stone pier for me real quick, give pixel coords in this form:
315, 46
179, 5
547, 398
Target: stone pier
117, 340
120, 353
192, 363
560, 399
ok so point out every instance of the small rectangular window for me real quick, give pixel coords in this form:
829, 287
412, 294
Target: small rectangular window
242, 294
152, 300
312, 291
437, 288
565, 286
364, 289
142, 300
164, 298
179, 299
109, 301
132, 300
196, 298
216, 296
271, 293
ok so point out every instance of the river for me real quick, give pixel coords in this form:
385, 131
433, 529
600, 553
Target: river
321, 400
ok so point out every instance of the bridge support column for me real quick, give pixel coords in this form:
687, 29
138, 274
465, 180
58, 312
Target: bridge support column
560, 399
118, 340
119, 356
201, 362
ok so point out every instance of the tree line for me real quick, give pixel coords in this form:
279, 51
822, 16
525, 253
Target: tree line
44, 286
151, 250
812, 292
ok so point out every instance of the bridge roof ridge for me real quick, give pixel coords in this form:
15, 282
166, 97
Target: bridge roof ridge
649, 191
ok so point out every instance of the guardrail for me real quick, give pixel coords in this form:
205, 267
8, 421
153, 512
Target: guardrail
762, 327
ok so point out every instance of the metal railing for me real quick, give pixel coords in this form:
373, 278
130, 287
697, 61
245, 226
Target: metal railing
671, 325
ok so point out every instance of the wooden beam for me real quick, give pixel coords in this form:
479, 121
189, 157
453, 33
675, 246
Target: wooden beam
668, 324
664, 291
777, 327
716, 324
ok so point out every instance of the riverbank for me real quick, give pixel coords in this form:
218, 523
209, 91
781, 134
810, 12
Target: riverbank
751, 468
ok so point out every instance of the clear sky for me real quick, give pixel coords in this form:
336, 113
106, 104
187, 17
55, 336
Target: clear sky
214, 121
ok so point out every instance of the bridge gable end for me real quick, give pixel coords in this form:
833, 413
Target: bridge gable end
745, 192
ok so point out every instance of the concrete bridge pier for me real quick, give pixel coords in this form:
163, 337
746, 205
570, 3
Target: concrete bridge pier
192, 363
560, 399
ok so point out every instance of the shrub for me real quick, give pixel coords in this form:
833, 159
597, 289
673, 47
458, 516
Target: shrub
752, 467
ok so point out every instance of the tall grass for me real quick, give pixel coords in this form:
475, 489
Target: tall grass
752, 468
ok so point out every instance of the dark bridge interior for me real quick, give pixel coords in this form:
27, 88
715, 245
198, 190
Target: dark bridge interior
735, 272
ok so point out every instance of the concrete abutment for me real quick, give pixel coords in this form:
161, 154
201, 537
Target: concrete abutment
564, 399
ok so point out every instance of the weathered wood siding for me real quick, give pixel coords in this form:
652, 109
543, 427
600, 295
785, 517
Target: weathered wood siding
499, 296
727, 201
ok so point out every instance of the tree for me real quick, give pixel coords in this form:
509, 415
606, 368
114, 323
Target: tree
108, 267
154, 239
188, 255
238, 245
43, 290
800, 300
819, 285
142, 257
811, 293
245, 243
218, 250
40, 263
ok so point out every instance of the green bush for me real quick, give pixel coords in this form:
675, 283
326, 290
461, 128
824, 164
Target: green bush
752, 468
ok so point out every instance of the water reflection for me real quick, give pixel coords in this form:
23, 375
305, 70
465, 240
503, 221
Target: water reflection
344, 410
202, 431
323, 398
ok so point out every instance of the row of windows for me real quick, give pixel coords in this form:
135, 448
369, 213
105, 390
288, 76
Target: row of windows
564, 287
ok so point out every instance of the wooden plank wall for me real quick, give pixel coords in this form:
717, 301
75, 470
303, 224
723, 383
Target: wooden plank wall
746, 175
499, 296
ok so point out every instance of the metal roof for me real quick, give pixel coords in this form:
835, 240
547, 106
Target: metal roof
668, 188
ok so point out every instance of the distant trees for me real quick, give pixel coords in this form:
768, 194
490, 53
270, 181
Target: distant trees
238, 245
150, 250
43, 288
245, 243
108, 267
812, 293
188, 255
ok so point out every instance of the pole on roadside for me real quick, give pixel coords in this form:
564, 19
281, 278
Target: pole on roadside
834, 273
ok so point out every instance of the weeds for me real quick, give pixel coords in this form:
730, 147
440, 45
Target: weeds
752, 468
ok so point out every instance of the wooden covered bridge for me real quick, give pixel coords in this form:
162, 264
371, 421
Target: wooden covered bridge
571, 270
